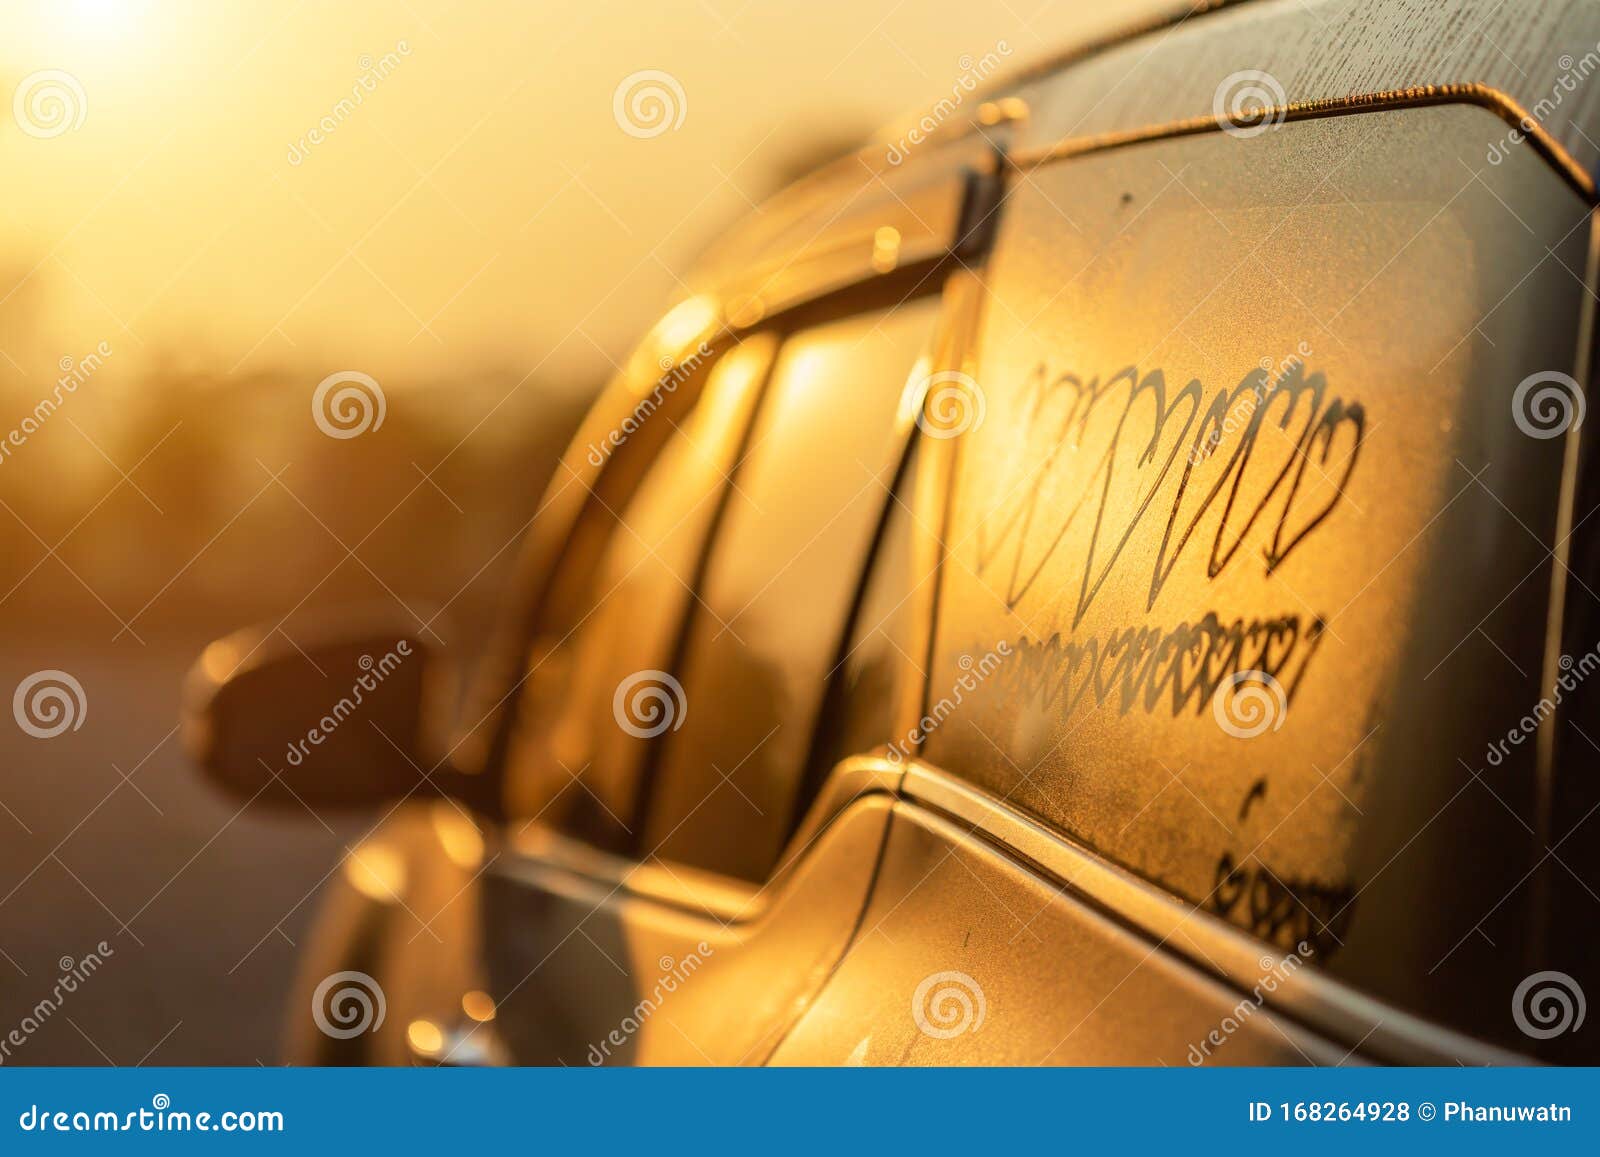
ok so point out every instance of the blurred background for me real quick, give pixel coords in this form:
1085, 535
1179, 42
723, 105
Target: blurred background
208, 210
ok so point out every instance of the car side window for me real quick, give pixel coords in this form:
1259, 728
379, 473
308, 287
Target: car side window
781, 579
595, 674
881, 661
1254, 638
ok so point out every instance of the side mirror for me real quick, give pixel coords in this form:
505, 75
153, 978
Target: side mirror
351, 713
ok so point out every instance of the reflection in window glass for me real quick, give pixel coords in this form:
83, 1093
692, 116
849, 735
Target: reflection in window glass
573, 764
880, 662
781, 579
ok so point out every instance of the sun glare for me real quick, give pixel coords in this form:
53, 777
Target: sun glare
97, 21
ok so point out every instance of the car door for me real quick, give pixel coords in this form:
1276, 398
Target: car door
689, 586
687, 724
1254, 565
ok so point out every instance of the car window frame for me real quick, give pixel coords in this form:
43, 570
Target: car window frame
907, 222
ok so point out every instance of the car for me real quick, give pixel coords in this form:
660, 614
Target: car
1100, 575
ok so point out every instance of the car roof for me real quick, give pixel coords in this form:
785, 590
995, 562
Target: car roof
1525, 60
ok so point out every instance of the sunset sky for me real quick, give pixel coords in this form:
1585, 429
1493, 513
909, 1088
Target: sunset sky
479, 207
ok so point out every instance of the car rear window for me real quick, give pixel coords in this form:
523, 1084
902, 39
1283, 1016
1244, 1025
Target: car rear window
1269, 550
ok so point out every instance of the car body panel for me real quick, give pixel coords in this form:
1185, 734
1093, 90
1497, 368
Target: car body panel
965, 959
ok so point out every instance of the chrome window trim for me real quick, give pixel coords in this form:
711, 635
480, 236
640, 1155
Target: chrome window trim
1374, 1030
533, 853
1516, 57
1479, 95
